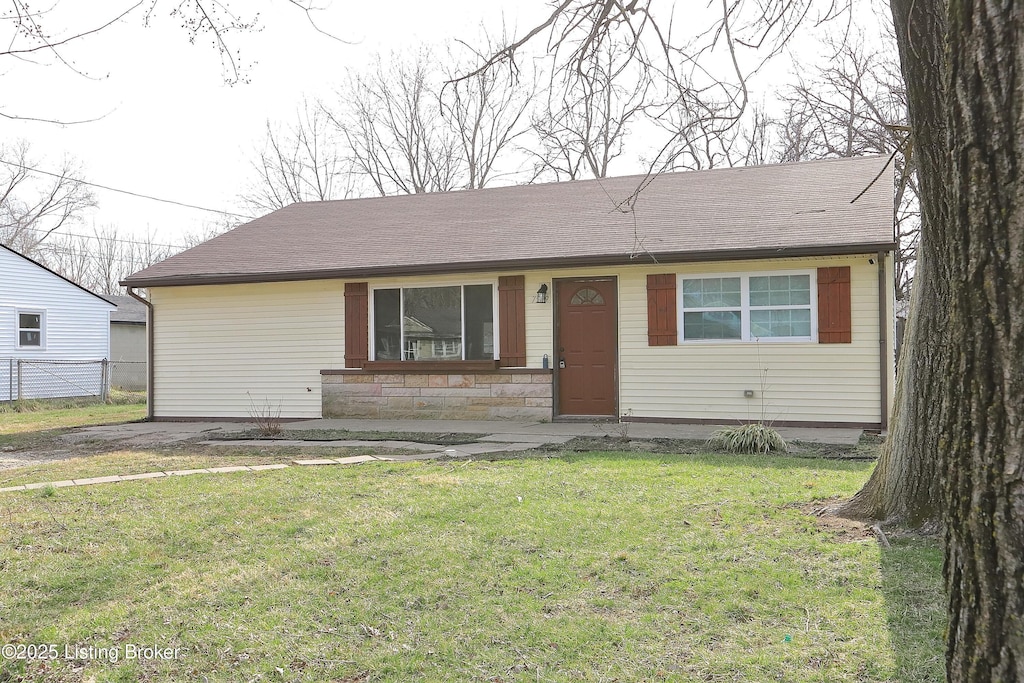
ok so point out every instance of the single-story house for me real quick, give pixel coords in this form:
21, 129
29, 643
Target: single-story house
54, 334
722, 296
127, 343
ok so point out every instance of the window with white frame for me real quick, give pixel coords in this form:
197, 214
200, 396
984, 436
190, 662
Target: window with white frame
434, 323
31, 328
768, 306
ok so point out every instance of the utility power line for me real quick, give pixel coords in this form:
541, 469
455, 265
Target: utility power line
104, 238
127, 192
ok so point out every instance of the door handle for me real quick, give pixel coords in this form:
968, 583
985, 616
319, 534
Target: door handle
561, 363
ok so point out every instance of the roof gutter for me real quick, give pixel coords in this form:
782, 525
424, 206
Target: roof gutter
149, 350
507, 265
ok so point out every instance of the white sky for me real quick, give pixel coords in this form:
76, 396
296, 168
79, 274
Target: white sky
171, 128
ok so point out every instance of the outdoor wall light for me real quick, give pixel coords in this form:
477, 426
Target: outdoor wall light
542, 294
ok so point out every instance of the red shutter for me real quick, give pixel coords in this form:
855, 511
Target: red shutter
357, 330
834, 314
512, 321
662, 329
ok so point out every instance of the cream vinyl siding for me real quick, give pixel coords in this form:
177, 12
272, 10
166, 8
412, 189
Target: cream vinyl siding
795, 381
805, 381
214, 343
791, 381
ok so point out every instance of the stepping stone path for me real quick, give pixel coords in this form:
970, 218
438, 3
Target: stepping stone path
353, 460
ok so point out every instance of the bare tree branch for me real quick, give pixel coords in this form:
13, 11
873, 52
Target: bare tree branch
301, 163
31, 209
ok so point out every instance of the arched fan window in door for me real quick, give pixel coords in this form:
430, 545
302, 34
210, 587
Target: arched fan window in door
586, 296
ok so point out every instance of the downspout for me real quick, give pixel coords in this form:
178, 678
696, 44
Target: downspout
149, 350
883, 342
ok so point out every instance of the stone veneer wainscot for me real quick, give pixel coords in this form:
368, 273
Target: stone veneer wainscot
500, 394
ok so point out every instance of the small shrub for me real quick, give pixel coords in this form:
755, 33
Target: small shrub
267, 417
749, 438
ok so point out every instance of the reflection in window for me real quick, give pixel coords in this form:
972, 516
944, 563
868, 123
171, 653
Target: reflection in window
747, 307
712, 308
587, 297
434, 323
712, 325
780, 306
30, 329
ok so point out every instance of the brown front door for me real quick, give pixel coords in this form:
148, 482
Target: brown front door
585, 347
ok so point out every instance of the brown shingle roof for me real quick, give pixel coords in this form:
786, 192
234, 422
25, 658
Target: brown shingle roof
786, 210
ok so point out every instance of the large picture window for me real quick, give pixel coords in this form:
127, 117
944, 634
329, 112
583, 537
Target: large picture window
30, 329
775, 306
434, 323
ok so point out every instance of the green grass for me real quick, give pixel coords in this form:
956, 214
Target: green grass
596, 566
137, 461
26, 419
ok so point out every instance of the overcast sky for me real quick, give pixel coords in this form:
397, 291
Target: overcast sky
169, 126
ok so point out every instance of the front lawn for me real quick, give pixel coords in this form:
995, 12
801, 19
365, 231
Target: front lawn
595, 566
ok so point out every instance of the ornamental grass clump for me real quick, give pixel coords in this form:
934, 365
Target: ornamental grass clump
749, 438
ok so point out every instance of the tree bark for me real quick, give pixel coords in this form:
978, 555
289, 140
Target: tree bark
904, 488
983, 433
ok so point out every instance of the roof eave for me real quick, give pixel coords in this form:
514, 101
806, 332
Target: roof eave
509, 264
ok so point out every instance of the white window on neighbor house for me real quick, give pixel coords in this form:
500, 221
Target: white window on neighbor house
447, 348
434, 323
31, 329
778, 306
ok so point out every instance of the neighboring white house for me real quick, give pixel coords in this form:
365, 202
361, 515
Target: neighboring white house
127, 344
54, 334
723, 296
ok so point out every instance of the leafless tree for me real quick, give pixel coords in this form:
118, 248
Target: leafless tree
33, 203
756, 140
208, 231
854, 105
794, 134
584, 126
41, 33
406, 133
98, 259
301, 162
708, 96
488, 112
394, 129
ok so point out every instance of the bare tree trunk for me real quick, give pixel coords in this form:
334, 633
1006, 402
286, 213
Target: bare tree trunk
904, 488
983, 459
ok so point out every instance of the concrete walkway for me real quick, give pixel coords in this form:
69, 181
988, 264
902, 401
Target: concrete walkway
490, 437
489, 434
354, 460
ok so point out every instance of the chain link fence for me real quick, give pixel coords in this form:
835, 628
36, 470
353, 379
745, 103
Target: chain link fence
125, 375
22, 378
